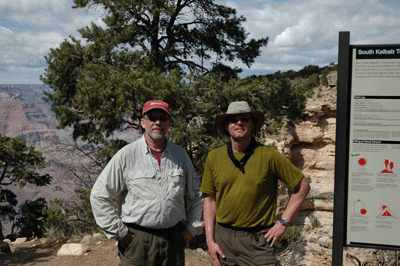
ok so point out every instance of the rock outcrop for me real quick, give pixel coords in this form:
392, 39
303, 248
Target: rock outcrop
310, 145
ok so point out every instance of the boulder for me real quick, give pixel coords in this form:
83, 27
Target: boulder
19, 240
72, 249
86, 239
98, 237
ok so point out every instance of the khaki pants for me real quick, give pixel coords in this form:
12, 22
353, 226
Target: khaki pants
244, 247
152, 247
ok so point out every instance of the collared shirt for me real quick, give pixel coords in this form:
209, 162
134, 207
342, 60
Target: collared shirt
247, 199
151, 195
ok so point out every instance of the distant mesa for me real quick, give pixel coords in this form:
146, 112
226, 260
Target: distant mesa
25, 114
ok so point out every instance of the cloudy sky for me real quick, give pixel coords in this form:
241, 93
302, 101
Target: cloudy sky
301, 32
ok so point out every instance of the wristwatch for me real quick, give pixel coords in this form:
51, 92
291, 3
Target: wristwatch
283, 221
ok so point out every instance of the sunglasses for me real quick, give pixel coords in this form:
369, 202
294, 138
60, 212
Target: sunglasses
154, 118
235, 119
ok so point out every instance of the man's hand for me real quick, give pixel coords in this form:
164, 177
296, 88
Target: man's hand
214, 250
125, 241
274, 233
188, 236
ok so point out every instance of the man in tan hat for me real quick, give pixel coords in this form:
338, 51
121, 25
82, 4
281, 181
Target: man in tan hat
240, 189
160, 203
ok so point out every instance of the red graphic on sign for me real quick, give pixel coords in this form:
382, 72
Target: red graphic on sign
386, 211
388, 167
362, 161
358, 207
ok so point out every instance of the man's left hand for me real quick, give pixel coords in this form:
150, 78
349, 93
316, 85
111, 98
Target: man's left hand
274, 233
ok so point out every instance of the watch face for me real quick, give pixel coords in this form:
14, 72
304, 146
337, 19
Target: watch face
283, 221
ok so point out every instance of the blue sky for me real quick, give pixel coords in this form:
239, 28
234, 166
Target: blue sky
300, 33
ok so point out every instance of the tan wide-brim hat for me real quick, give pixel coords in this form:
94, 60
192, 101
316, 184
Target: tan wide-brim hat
236, 108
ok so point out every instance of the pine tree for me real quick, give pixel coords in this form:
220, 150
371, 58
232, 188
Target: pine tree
143, 53
18, 166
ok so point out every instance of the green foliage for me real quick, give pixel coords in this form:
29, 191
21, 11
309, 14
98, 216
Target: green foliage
226, 72
291, 233
133, 59
313, 81
171, 33
31, 218
55, 222
309, 70
194, 100
18, 166
65, 219
203, 98
315, 223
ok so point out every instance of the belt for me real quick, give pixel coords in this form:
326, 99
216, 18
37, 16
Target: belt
163, 231
253, 229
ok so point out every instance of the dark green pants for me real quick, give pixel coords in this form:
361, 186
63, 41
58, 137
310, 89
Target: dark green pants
149, 247
244, 247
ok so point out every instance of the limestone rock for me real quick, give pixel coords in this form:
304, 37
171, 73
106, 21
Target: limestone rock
310, 144
19, 240
86, 239
332, 79
98, 237
308, 134
72, 249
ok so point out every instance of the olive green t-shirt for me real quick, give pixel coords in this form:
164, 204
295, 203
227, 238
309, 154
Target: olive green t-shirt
249, 199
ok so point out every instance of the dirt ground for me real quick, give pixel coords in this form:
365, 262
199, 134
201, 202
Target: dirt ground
44, 253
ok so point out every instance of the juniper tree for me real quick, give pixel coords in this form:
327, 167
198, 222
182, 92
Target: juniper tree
19, 165
31, 218
142, 53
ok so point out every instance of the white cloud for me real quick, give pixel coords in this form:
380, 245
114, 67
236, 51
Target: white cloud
36, 12
306, 32
301, 32
42, 41
5, 31
55, 15
30, 28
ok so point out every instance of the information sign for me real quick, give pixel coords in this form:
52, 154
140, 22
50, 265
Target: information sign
373, 198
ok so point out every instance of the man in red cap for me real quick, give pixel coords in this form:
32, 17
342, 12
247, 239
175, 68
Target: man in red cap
160, 203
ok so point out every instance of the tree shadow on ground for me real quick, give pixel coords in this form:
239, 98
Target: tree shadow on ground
30, 252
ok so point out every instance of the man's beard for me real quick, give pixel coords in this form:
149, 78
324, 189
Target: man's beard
157, 136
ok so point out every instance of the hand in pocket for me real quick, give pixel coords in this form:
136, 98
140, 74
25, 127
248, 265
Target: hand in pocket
125, 241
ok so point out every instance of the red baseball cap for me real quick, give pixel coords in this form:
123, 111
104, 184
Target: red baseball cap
156, 104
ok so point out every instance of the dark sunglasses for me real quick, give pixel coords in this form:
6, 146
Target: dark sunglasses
235, 119
161, 118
